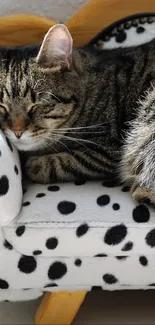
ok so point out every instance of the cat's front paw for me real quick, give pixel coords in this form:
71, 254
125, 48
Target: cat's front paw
143, 195
37, 169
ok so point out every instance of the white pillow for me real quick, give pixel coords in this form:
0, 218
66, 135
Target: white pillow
10, 181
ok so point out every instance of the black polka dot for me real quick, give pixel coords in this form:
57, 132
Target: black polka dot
27, 264
80, 182
3, 284
52, 243
7, 245
113, 32
143, 260
150, 238
16, 169
127, 25
116, 206
4, 185
134, 23
57, 270
50, 285
120, 37
78, 262
121, 258
109, 278
140, 30
152, 285
127, 247
126, 189
141, 214
115, 234
103, 200
142, 20
9, 144
150, 20
20, 231
96, 288
25, 204
66, 207
82, 230
120, 28
40, 195
53, 188
101, 255
37, 252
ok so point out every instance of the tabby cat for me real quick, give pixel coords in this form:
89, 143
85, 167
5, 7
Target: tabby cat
81, 113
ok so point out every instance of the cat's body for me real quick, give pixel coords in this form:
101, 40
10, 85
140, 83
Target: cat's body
70, 112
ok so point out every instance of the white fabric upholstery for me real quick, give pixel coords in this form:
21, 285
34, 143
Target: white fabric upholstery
99, 239
92, 206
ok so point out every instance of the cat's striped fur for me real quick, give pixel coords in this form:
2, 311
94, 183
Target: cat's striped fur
78, 113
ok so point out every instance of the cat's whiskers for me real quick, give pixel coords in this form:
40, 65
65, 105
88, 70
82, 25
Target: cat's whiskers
56, 135
47, 145
83, 132
77, 140
63, 144
82, 127
37, 135
56, 139
74, 139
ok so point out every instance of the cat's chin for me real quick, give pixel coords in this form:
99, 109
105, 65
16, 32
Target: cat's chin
27, 146
25, 143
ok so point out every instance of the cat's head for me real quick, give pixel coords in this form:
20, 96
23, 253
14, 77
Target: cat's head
40, 90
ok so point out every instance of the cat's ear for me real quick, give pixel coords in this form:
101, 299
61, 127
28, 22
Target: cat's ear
56, 48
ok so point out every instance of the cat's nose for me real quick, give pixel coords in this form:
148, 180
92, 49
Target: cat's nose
18, 134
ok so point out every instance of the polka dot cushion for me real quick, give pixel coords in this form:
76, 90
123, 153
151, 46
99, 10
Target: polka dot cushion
81, 236
10, 181
132, 31
81, 220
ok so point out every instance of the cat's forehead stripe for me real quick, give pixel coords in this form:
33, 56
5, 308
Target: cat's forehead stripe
26, 90
7, 92
16, 81
15, 77
14, 70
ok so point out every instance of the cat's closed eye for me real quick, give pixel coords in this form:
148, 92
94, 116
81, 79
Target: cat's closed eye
31, 110
47, 95
44, 105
